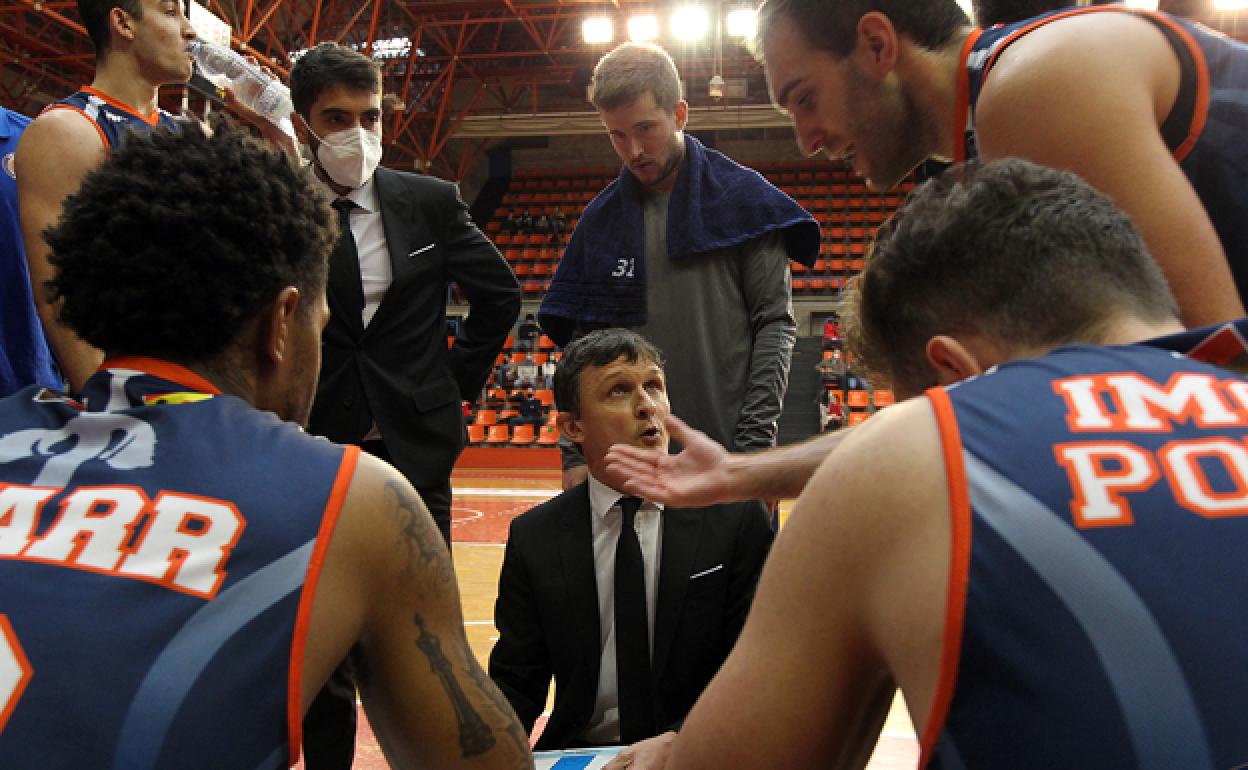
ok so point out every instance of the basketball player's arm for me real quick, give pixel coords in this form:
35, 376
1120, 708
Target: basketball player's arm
389, 576
704, 473
1041, 103
57, 150
831, 627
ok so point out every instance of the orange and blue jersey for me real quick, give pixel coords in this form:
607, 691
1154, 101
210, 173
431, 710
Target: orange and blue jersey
112, 118
1098, 592
1206, 130
160, 545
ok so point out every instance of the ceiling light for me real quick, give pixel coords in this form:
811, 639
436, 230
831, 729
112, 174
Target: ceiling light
965, 5
643, 28
743, 22
690, 23
1230, 5
597, 29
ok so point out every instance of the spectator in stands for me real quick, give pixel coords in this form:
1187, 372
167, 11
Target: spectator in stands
831, 371
557, 224
24, 355
548, 371
542, 223
389, 384
512, 223
831, 334
1140, 103
831, 413
629, 606
529, 410
526, 372
505, 374
690, 248
525, 223
528, 333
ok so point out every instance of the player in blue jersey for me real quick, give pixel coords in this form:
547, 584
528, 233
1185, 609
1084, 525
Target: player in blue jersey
1143, 105
181, 565
1046, 558
140, 45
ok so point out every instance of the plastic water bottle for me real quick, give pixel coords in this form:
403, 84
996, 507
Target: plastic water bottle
251, 86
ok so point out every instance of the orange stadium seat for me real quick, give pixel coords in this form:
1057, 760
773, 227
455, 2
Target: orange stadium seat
884, 398
857, 399
499, 434
485, 418
858, 418
548, 435
476, 433
523, 434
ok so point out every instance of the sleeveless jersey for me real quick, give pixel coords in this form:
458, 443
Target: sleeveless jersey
112, 118
1098, 595
159, 551
1206, 130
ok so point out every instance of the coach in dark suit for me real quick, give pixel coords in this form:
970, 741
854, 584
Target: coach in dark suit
388, 381
565, 608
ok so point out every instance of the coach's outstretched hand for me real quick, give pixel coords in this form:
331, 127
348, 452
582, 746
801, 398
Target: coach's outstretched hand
696, 477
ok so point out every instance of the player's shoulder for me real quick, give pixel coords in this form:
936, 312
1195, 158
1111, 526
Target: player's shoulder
64, 127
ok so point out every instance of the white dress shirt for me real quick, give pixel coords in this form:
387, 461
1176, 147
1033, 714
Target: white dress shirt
604, 725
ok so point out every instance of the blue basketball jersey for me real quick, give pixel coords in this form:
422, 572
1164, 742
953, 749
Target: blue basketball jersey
1206, 130
1098, 597
159, 550
112, 118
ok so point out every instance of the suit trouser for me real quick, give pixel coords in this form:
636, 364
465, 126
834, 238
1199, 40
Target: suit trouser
329, 725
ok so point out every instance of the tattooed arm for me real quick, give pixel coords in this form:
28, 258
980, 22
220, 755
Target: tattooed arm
388, 593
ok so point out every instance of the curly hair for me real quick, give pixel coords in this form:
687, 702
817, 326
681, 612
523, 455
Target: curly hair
1026, 256
173, 246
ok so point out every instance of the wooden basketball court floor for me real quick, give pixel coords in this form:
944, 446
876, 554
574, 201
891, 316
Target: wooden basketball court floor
485, 502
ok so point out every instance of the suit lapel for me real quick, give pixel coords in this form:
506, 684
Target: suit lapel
680, 545
576, 552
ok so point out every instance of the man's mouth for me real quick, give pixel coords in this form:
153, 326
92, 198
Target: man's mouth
651, 436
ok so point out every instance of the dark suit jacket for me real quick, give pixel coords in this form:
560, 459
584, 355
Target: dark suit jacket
398, 370
547, 609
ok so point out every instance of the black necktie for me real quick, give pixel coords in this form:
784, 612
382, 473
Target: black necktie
632, 635
344, 264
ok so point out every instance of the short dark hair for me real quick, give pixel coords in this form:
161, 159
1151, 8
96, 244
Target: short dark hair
174, 245
331, 64
832, 26
1024, 255
598, 348
94, 15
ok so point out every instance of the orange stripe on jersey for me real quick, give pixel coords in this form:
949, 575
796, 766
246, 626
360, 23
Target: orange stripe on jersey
961, 107
294, 687
108, 149
166, 370
151, 120
959, 570
1200, 111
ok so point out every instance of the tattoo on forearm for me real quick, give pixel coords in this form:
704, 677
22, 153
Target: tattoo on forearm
486, 686
475, 736
421, 540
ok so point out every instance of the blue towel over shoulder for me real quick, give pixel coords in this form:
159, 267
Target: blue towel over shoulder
716, 203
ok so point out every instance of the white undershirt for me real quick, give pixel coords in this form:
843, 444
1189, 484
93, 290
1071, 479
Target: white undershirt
604, 725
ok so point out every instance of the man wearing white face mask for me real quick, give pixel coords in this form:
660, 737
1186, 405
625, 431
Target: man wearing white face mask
388, 381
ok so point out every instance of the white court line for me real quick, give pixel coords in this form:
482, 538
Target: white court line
459, 543
537, 494
478, 622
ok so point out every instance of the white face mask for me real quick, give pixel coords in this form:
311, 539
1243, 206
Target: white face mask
349, 156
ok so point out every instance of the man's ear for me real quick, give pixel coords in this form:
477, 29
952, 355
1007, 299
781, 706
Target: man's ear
878, 44
570, 426
681, 113
277, 325
121, 22
952, 360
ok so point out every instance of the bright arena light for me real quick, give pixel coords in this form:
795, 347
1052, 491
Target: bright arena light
965, 5
1230, 5
743, 22
690, 23
597, 29
643, 28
